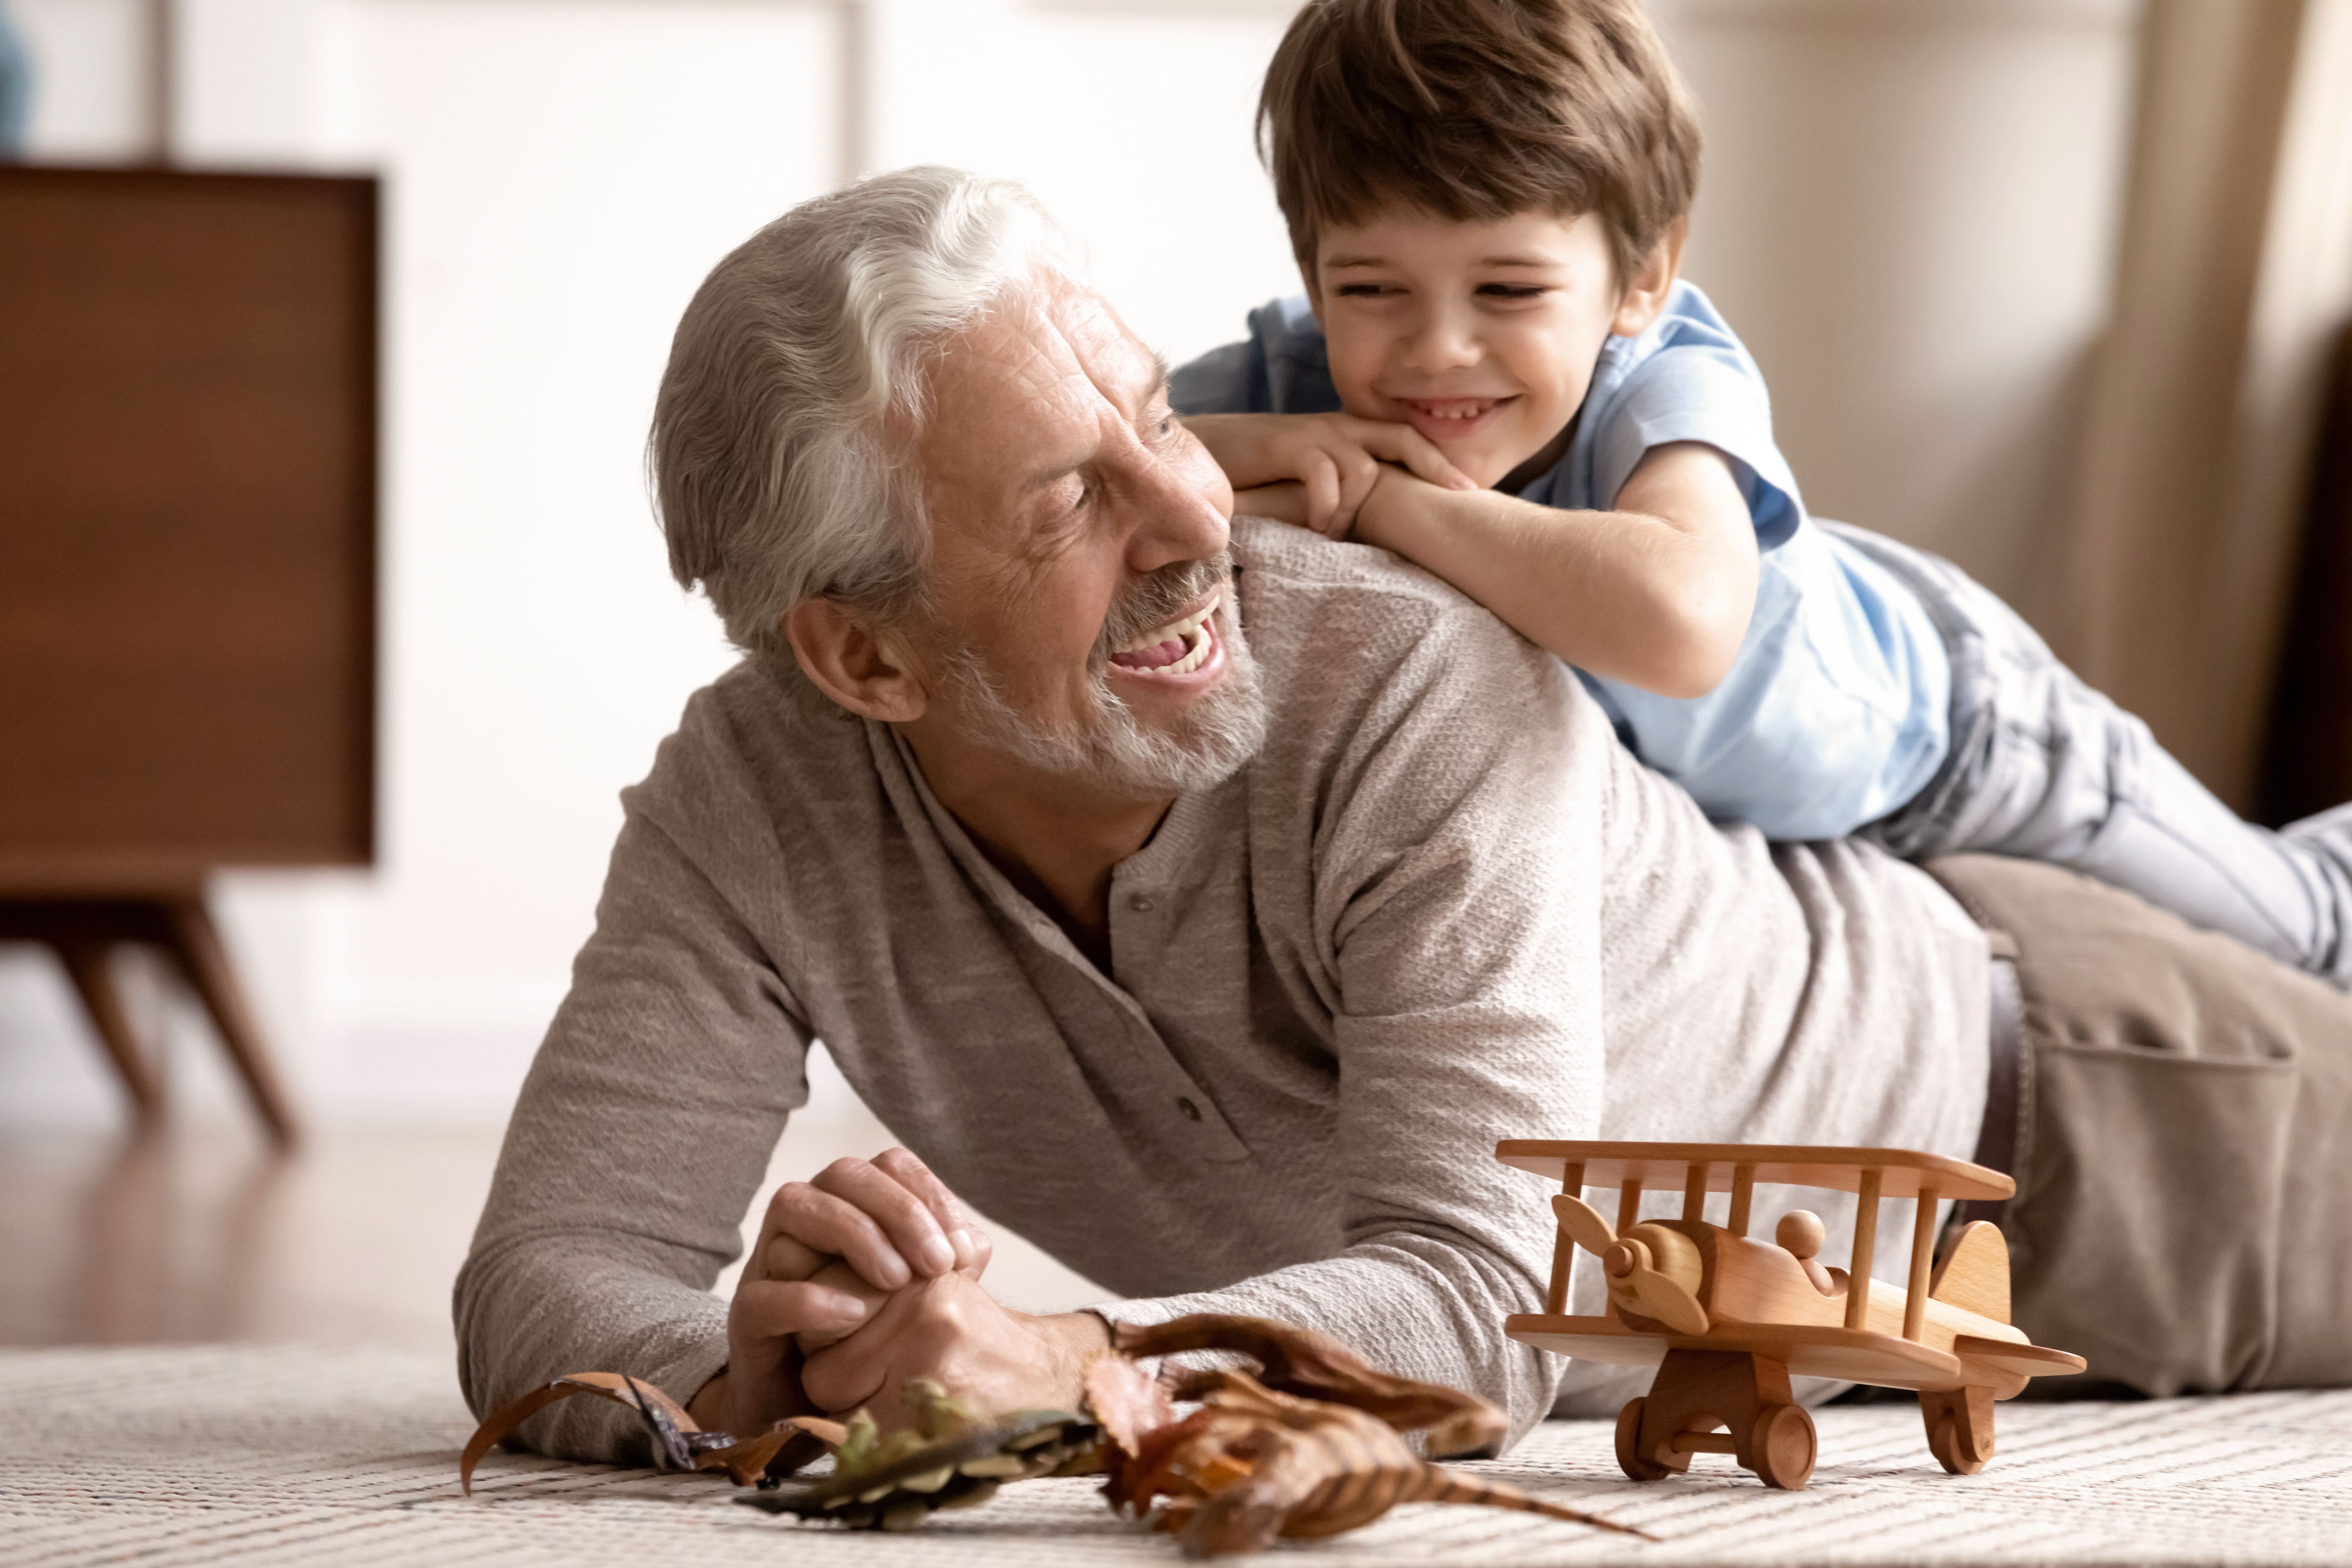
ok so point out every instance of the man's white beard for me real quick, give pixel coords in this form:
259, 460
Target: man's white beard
1113, 750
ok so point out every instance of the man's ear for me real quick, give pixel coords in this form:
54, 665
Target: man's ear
866, 669
1645, 292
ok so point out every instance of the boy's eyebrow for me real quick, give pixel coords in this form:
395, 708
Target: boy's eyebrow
1531, 258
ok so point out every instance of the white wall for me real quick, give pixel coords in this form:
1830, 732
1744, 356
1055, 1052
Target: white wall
1906, 212
92, 98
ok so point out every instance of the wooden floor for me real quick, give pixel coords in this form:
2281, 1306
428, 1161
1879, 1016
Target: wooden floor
203, 1233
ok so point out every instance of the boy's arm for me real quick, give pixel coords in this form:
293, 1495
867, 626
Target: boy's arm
1656, 593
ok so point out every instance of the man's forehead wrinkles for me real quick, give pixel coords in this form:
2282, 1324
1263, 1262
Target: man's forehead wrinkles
996, 395
1123, 371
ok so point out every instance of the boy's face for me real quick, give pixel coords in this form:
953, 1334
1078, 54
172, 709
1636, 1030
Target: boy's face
1482, 336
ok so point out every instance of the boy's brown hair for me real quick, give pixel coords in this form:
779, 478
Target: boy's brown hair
1476, 109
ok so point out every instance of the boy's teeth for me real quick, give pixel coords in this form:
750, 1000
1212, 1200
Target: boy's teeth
1457, 408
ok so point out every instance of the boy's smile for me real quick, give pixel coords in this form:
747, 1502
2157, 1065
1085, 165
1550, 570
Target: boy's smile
1482, 336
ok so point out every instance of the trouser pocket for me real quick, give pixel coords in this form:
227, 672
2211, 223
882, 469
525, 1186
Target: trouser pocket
2146, 1231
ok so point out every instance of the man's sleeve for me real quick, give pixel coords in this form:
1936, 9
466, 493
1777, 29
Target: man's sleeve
1457, 903
640, 1138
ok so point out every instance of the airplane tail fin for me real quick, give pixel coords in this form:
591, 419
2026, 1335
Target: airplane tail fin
1974, 1275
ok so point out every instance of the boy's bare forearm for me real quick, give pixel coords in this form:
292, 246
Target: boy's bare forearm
1655, 601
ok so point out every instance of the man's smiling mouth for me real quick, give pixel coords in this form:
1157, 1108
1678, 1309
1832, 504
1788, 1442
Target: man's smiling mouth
1178, 647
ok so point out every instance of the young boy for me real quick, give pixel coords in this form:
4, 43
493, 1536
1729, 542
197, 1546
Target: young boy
1496, 373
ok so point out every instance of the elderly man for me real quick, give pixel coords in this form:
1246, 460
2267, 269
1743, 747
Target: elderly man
1204, 898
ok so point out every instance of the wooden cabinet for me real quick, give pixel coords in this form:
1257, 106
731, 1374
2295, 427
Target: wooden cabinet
187, 555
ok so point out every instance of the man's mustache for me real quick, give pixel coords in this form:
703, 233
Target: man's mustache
1158, 599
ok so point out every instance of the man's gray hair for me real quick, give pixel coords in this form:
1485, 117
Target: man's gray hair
772, 473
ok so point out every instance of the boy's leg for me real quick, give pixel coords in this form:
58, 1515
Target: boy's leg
2183, 1216
2044, 768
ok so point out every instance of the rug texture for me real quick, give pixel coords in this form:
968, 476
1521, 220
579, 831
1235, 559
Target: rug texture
297, 1455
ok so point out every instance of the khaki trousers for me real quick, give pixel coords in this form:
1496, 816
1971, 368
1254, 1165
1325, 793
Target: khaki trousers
2183, 1216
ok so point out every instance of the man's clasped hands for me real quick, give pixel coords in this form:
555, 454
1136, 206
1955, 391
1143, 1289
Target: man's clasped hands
869, 1276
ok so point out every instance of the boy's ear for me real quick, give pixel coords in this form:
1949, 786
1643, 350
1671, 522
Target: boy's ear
1645, 292
864, 667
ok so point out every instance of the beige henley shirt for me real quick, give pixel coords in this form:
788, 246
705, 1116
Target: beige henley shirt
1443, 906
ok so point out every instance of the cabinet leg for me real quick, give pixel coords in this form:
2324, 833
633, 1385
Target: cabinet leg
1959, 1427
86, 965
195, 945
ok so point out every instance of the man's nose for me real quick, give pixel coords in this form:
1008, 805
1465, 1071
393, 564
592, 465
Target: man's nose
1177, 515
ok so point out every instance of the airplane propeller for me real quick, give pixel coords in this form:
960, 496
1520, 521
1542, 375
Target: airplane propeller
1636, 1281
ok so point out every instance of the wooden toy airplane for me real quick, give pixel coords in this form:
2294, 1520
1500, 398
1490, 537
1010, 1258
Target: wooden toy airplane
1726, 1320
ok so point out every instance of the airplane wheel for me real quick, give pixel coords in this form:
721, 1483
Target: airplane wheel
1951, 1451
1784, 1443
1629, 1438
1959, 1427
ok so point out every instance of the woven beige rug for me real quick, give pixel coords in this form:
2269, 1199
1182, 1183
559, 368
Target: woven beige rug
301, 1455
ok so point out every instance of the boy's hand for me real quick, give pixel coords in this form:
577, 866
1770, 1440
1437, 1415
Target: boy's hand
1315, 469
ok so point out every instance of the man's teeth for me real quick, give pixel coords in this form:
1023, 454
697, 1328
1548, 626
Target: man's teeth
1188, 633
1172, 632
1192, 661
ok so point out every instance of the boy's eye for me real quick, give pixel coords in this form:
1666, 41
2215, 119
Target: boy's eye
1512, 291
1361, 291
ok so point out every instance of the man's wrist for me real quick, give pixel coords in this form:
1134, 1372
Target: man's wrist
1077, 1338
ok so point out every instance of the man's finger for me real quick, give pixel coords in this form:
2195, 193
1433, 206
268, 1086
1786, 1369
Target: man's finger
840, 1277
913, 1230
778, 1309
788, 1257
859, 1368
907, 1168
827, 1223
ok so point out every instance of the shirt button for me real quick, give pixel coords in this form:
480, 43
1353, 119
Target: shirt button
1192, 1112
1139, 902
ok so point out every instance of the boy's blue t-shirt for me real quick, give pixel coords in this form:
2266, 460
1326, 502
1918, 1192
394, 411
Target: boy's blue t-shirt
1835, 711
